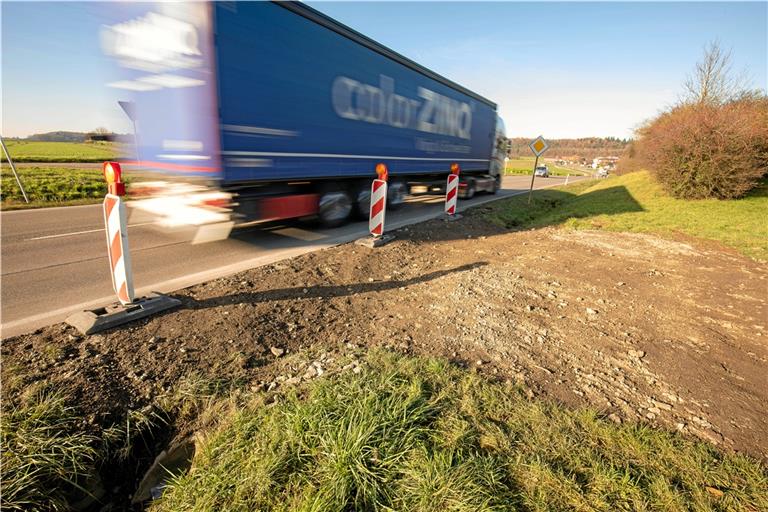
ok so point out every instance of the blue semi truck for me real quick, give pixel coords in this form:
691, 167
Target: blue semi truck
288, 111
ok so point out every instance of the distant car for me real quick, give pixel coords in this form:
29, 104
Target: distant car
542, 171
602, 173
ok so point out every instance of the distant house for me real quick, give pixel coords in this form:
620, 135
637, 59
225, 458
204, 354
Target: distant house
605, 162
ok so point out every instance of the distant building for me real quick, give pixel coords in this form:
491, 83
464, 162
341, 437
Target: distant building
605, 162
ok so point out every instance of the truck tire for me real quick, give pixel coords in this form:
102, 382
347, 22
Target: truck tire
496, 184
334, 208
471, 189
363, 200
396, 192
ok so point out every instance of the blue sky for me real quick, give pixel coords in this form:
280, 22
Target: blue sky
557, 69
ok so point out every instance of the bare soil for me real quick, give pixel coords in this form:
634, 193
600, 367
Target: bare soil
669, 332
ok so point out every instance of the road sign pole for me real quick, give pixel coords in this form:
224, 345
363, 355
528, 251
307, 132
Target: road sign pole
13, 169
538, 146
533, 177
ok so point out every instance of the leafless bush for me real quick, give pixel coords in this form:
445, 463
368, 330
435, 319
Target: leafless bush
706, 149
713, 81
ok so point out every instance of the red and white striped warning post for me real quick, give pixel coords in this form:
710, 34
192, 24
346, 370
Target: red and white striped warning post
115, 220
378, 201
129, 309
452, 190
378, 211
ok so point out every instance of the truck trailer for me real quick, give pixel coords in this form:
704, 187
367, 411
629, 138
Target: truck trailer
286, 112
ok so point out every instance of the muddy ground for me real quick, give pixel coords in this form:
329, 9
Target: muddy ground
666, 331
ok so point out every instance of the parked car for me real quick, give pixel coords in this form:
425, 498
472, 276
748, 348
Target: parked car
602, 173
542, 171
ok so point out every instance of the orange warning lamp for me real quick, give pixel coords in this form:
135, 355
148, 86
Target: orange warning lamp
455, 168
382, 171
113, 175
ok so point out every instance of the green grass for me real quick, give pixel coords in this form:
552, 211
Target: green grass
51, 186
420, 435
34, 151
45, 453
51, 458
635, 203
525, 166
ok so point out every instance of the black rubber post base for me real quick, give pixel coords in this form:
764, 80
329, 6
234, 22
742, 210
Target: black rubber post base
375, 241
95, 320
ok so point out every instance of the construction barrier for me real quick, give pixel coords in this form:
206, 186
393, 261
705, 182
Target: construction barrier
452, 190
129, 309
115, 220
378, 201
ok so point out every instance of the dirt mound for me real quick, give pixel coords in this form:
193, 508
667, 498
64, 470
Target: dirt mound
669, 332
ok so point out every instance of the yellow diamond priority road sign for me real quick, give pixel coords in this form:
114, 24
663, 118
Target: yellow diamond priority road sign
538, 146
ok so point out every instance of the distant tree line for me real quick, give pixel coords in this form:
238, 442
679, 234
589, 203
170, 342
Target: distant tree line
585, 149
713, 143
98, 134
58, 136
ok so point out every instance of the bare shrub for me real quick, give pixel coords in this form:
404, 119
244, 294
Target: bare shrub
713, 81
707, 149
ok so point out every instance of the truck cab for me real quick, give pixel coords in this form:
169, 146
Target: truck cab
499, 153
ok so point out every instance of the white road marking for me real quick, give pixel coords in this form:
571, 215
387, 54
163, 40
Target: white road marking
74, 233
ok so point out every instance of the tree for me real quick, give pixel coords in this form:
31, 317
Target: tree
713, 81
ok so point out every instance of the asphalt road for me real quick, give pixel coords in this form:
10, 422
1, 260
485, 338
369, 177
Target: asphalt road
54, 259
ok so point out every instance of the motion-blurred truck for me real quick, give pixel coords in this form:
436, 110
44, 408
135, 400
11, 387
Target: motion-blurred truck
278, 111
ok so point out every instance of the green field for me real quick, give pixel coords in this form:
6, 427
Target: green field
51, 186
525, 166
634, 202
33, 151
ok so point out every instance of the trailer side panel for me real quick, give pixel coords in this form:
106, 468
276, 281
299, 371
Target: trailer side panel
298, 100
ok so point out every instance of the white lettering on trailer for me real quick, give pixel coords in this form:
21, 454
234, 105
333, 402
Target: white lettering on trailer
437, 114
154, 42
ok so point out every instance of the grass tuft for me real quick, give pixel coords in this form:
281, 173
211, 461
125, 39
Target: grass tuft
45, 453
417, 434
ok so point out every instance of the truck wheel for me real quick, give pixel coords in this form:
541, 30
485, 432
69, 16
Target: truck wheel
363, 201
334, 209
496, 184
396, 192
471, 189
